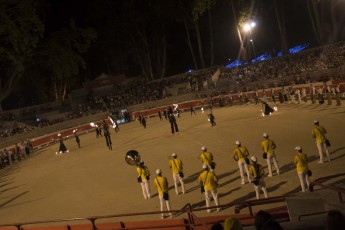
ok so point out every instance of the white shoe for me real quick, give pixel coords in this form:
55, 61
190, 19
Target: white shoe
67, 150
269, 175
320, 162
242, 183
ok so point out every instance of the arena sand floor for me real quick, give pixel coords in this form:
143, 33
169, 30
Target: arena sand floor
94, 181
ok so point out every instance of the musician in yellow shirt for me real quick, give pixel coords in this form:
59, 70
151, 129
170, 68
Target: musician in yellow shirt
143, 179
257, 174
176, 166
209, 180
240, 155
163, 191
301, 163
319, 134
268, 146
206, 158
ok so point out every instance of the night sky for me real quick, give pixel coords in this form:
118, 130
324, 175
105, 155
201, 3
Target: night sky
108, 54
266, 35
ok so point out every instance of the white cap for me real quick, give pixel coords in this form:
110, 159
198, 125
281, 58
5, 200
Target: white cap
203, 148
59, 134
316, 121
253, 158
158, 171
265, 135
298, 148
173, 155
237, 142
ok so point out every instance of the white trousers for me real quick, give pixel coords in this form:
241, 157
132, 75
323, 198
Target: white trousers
167, 203
304, 180
271, 158
145, 186
261, 186
177, 178
242, 164
322, 150
209, 194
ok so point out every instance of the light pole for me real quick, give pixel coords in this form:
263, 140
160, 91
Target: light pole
248, 27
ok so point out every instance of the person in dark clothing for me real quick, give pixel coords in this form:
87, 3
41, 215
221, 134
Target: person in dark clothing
172, 120
165, 114
211, 118
160, 115
99, 130
192, 111
62, 147
143, 121
107, 135
76, 136
266, 109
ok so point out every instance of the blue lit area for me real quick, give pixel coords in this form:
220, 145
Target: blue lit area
233, 64
266, 56
262, 58
190, 70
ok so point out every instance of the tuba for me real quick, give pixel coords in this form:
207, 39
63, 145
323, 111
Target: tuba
132, 157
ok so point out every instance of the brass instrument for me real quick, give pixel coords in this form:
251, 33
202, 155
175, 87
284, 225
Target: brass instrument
132, 157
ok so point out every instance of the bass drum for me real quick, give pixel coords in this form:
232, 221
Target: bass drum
132, 157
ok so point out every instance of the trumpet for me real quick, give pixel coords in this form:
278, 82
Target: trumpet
132, 157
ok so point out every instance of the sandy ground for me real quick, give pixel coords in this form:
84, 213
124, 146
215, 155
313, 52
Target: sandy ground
93, 180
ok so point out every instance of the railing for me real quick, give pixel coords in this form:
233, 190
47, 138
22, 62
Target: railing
251, 203
191, 222
319, 182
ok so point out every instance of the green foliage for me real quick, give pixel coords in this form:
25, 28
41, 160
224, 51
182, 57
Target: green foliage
200, 6
62, 55
20, 31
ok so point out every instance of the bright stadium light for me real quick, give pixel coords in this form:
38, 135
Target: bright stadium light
246, 27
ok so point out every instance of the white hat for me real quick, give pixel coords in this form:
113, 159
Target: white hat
173, 155
316, 121
203, 148
237, 142
265, 135
158, 171
253, 158
59, 134
298, 148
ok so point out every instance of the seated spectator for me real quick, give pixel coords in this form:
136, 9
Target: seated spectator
264, 221
232, 223
335, 220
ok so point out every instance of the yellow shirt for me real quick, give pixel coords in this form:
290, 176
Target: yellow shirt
176, 165
209, 180
161, 184
239, 150
206, 158
268, 146
256, 173
301, 162
143, 172
318, 133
